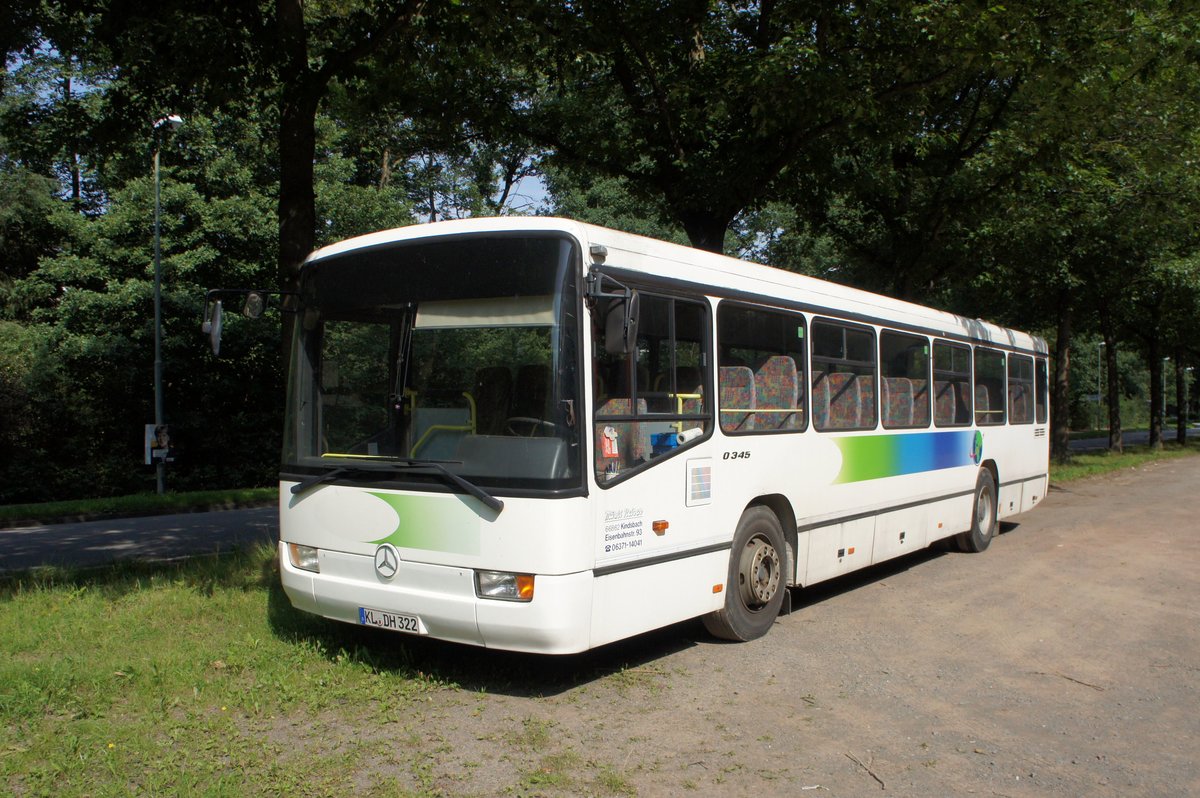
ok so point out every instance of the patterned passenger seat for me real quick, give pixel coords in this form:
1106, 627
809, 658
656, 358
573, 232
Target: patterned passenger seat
866, 400
897, 402
777, 387
845, 406
819, 400
920, 403
983, 410
737, 395
1019, 404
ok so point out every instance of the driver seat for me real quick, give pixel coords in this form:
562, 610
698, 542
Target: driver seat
532, 392
493, 397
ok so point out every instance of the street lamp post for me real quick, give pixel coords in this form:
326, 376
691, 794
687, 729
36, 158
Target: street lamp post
166, 124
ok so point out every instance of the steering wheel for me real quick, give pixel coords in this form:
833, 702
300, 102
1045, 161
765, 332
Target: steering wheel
534, 425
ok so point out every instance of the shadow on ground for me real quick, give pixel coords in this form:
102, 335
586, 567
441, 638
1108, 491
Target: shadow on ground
524, 675
469, 667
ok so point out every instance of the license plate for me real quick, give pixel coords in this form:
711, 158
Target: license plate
396, 622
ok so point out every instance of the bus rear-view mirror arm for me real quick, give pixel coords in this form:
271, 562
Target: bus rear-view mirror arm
255, 302
627, 300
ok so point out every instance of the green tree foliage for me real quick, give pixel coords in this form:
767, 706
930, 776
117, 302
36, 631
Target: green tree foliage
83, 323
608, 202
1118, 197
1031, 162
712, 108
79, 357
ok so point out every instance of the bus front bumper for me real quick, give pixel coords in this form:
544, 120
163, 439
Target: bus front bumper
556, 621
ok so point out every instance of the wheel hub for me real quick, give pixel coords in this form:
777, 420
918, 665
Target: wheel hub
759, 572
983, 513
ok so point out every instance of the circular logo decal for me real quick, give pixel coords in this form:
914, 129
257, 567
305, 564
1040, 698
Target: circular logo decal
387, 561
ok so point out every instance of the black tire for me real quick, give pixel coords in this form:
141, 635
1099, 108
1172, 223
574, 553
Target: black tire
756, 583
984, 517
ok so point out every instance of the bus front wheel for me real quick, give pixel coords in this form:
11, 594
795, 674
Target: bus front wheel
984, 518
756, 583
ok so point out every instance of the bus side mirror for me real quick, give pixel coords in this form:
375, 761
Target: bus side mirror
630, 332
212, 327
256, 303
620, 325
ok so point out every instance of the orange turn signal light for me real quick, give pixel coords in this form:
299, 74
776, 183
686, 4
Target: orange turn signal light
525, 587
659, 527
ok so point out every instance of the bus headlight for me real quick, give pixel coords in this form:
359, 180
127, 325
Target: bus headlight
303, 557
504, 586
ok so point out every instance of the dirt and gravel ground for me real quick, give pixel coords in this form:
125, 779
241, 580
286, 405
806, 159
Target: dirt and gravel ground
1063, 661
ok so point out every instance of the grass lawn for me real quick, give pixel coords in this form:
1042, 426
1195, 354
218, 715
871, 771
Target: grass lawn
178, 679
198, 678
1092, 464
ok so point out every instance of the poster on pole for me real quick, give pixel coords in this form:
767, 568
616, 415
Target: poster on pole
158, 444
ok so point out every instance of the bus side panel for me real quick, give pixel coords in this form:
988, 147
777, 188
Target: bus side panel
640, 599
839, 549
1035, 491
1011, 499
949, 517
899, 533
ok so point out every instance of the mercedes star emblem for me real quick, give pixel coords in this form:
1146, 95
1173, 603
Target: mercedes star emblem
387, 560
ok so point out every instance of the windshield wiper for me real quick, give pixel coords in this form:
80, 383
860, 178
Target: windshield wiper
467, 487
393, 465
319, 479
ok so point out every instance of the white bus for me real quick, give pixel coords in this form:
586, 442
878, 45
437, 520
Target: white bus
540, 435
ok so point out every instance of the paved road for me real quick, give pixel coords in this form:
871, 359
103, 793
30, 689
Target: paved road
153, 538
1129, 439
172, 536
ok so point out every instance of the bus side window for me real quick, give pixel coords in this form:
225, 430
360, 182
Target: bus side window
1043, 392
1020, 389
843, 363
951, 384
646, 399
904, 368
761, 368
989, 387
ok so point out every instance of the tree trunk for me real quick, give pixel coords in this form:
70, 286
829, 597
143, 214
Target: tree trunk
297, 145
1180, 398
76, 188
706, 229
1113, 383
1060, 417
1112, 388
1157, 395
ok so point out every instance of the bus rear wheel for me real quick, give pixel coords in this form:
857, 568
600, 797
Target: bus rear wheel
756, 582
984, 518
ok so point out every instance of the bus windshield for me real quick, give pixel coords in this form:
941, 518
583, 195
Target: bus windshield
460, 351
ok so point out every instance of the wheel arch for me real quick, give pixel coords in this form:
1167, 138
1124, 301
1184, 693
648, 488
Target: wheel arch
990, 465
782, 508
